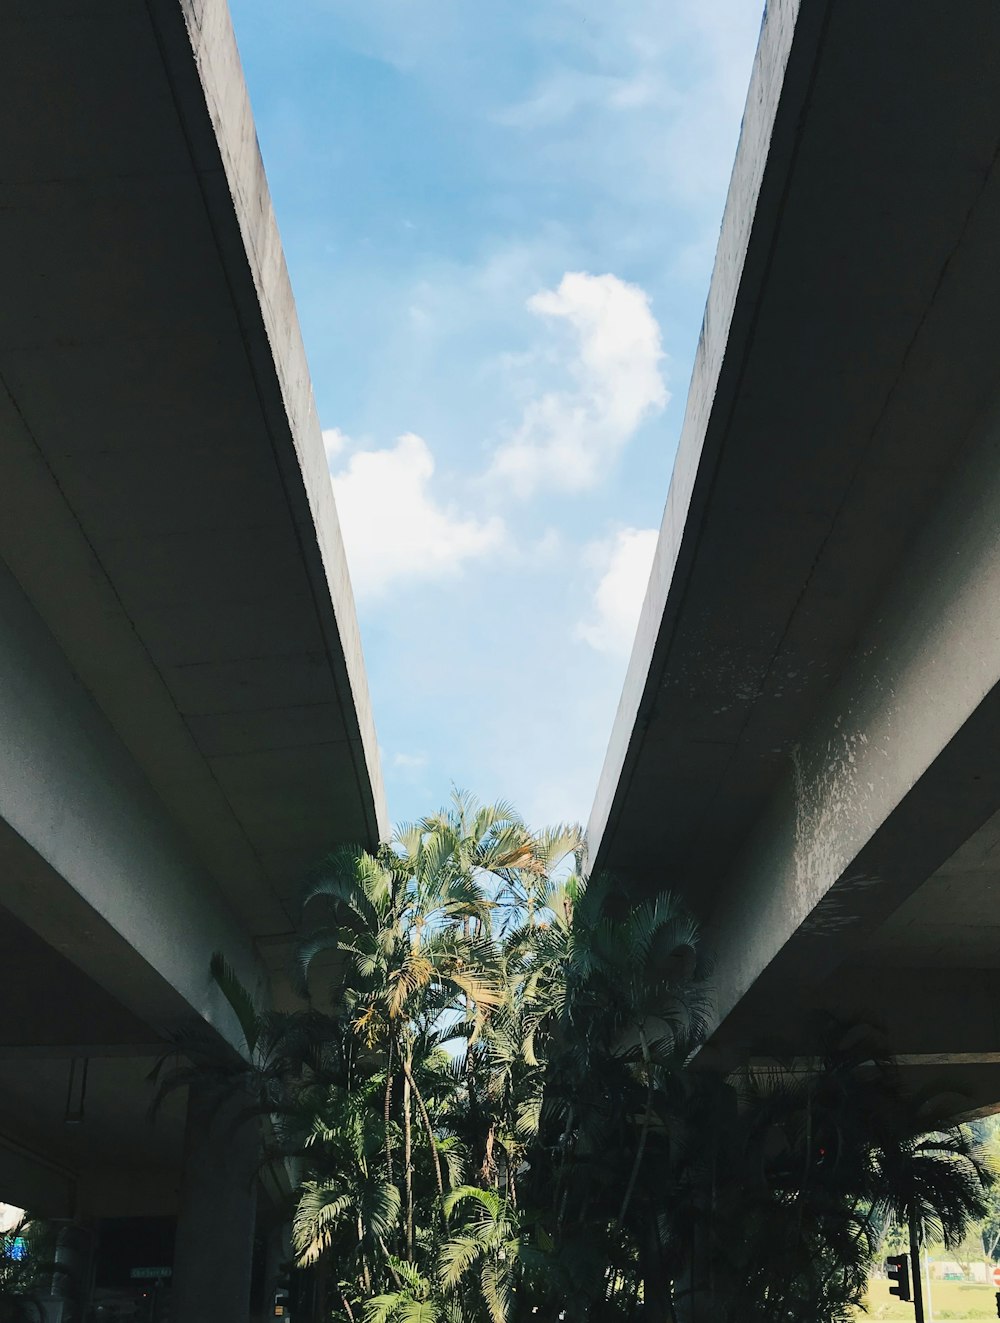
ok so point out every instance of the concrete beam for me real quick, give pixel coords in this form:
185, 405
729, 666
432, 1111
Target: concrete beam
931, 1017
808, 728
896, 771
186, 716
166, 504
782, 76
843, 365
90, 861
215, 83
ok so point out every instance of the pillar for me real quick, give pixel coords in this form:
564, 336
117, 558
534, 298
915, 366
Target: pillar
72, 1270
276, 1251
213, 1254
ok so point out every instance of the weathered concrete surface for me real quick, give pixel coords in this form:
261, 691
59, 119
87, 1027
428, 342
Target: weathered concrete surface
218, 1198
827, 859
807, 726
182, 693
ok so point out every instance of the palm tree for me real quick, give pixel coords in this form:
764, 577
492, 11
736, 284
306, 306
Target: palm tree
398, 946
27, 1268
348, 1199
634, 977
490, 846
819, 1160
602, 1005
410, 929
491, 1242
500, 1081
279, 1055
415, 1300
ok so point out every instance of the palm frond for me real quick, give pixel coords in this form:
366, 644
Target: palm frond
238, 997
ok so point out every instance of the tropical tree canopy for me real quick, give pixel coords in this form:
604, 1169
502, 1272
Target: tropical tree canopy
495, 1114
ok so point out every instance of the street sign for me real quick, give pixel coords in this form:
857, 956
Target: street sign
996, 1276
149, 1274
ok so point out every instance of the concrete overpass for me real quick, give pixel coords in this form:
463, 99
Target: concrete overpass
807, 741
185, 716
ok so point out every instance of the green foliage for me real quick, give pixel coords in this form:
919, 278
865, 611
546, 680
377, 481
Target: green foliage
26, 1267
495, 1117
987, 1134
801, 1170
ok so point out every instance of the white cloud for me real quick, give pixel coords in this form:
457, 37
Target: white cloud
568, 439
409, 762
334, 442
562, 94
619, 594
393, 528
679, 68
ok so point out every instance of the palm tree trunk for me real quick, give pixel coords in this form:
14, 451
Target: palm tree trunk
408, 1160
388, 1263
320, 1278
365, 1274
430, 1134
644, 1132
567, 1131
633, 1303
387, 1113
657, 1306
486, 1170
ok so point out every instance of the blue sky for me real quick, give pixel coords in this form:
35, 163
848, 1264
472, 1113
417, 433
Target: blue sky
499, 221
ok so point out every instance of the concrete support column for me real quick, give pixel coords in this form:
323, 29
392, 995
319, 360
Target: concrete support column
693, 1293
276, 1254
213, 1254
71, 1276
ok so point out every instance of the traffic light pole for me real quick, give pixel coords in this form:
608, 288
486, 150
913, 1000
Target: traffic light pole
917, 1280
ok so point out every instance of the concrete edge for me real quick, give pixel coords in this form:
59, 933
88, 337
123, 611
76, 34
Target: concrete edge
791, 35
223, 94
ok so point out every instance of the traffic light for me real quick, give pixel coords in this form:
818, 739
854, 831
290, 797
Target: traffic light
898, 1268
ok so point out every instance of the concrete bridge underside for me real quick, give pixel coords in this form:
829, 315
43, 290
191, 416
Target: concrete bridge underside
806, 746
184, 710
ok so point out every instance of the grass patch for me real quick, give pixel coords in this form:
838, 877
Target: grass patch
950, 1301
